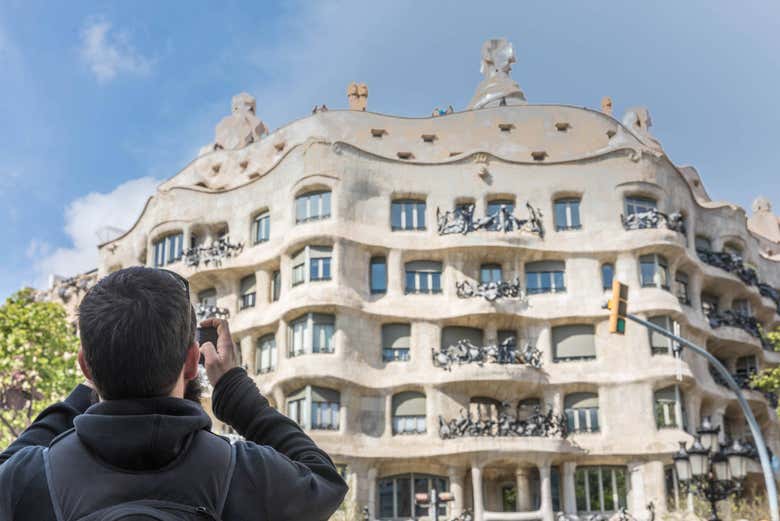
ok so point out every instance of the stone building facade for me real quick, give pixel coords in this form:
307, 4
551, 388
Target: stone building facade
424, 295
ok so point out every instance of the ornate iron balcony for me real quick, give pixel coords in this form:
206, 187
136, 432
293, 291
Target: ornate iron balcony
770, 293
508, 424
465, 352
461, 220
743, 381
747, 323
204, 311
491, 291
654, 219
731, 263
214, 254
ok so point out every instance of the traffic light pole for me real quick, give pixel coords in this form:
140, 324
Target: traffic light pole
763, 454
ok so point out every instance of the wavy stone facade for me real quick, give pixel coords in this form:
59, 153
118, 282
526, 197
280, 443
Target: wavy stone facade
322, 242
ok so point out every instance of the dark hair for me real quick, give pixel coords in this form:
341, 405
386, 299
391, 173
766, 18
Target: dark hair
136, 327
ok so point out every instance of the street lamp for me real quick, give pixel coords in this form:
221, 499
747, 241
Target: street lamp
710, 470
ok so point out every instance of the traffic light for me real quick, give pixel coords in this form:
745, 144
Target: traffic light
618, 307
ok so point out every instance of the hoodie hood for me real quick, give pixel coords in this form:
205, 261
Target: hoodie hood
140, 434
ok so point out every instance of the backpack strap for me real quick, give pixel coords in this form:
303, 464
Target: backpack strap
228, 480
55, 503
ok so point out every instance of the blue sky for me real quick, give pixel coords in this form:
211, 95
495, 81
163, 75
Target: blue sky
99, 100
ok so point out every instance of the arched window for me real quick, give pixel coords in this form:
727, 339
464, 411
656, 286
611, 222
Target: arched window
654, 271
168, 249
396, 342
582, 412
733, 248
607, 275
669, 408
248, 292
312, 263
266, 354
490, 273
573, 342
311, 333
567, 214
315, 408
423, 277
494, 208
703, 243
261, 227
407, 214
312, 206
409, 413
635, 205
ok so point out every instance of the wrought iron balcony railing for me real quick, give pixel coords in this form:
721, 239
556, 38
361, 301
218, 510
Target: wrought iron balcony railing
465, 352
654, 219
204, 311
731, 263
212, 255
491, 291
462, 220
506, 424
747, 323
744, 382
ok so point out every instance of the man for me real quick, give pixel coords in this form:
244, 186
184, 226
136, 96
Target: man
143, 441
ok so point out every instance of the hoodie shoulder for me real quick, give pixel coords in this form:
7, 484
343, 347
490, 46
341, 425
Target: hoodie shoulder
25, 491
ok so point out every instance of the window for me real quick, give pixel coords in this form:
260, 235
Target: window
311, 333
378, 275
674, 489
746, 366
490, 273
601, 489
660, 344
423, 277
168, 250
607, 275
248, 292
312, 206
741, 306
262, 227
494, 210
544, 277
396, 495
315, 408
409, 413
681, 284
407, 214
276, 285
318, 259
484, 408
732, 249
567, 214
709, 303
573, 342
639, 205
654, 271
208, 297
266, 354
669, 410
703, 243
451, 335
582, 412
396, 342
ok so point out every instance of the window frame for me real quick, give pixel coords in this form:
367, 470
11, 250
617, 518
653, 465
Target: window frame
303, 272
590, 415
540, 274
396, 354
412, 479
308, 322
323, 196
495, 205
261, 222
669, 414
604, 284
164, 246
660, 265
306, 411
491, 268
638, 204
432, 278
266, 343
571, 206
684, 296
377, 260
408, 208
582, 474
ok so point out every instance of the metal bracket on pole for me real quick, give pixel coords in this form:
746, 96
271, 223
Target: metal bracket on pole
763, 454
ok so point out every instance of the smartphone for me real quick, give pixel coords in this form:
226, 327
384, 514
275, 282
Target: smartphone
203, 335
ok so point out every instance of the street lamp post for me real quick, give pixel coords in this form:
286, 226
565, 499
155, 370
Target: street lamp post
710, 470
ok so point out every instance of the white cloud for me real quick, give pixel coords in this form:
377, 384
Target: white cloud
110, 53
84, 218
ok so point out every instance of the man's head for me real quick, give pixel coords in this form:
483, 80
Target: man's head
137, 332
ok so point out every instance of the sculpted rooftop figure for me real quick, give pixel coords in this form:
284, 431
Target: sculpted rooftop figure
240, 128
498, 88
763, 221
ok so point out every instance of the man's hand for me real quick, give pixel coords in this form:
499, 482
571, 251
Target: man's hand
221, 359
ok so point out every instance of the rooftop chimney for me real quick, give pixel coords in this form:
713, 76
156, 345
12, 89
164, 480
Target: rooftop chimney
357, 94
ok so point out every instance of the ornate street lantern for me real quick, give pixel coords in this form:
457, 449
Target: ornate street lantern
699, 459
682, 463
737, 456
720, 467
709, 434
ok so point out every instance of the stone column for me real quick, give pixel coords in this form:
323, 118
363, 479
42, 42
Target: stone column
262, 287
476, 483
248, 355
372, 472
546, 492
569, 490
636, 501
523, 489
389, 415
456, 487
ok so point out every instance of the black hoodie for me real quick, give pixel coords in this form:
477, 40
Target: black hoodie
280, 473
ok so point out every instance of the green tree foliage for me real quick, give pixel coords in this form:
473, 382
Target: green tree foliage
768, 380
37, 360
